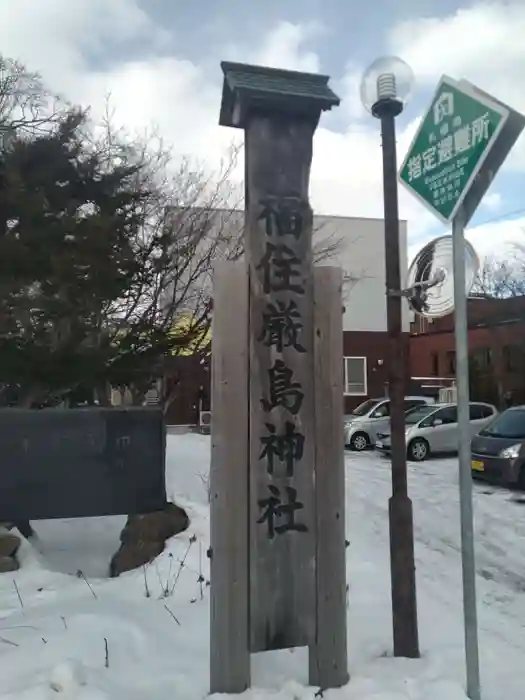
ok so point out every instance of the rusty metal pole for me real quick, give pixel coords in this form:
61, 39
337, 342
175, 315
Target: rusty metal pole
402, 566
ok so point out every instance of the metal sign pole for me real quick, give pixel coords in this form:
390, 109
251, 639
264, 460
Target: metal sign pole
477, 132
465, 473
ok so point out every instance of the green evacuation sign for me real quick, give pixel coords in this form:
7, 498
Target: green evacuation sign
450, 146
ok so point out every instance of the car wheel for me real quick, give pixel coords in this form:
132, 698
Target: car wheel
359, 442
418, 450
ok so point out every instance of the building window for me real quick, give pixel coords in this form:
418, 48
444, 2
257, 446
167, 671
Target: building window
355, 376
451, 362
483, 358
435, 364
512, 358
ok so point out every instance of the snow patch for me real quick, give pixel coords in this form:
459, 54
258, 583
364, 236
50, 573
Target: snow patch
146, 634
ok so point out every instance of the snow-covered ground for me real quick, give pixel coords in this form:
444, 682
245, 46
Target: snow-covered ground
67, 631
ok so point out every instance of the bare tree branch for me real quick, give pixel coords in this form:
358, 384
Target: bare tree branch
26, 105
500, 279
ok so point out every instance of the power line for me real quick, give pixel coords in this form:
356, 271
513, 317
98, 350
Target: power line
501, 216
489, 221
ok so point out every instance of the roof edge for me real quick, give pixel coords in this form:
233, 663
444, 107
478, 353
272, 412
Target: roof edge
321, 78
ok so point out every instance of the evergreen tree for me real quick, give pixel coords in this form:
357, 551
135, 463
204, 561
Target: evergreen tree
67, 221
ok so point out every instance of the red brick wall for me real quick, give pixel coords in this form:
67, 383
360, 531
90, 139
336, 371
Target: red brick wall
187, 375
373, 346
495, 338
479, 311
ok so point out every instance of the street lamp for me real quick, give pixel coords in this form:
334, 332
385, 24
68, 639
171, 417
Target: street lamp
385, 88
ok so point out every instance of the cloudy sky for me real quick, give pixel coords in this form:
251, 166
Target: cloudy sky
159, 60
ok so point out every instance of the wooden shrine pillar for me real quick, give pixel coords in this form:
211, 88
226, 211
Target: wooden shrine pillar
294, 591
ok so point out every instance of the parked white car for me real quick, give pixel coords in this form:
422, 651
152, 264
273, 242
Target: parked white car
361, 426
434, 429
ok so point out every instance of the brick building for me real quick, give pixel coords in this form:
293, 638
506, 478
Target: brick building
496, 332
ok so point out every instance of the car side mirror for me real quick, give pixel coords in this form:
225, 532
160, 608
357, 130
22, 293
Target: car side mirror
437, 422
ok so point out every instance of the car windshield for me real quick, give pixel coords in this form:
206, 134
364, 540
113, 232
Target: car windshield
365, 407
416, 414
509, 424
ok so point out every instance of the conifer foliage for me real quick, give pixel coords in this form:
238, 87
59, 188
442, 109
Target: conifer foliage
104, 247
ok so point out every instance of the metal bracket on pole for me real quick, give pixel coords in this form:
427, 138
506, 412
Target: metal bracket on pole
417, 293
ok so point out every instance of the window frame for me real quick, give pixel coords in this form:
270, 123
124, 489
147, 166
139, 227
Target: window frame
416, 404
442, 410
386, 403
483, 358
486, 406
473, 406
435, 364
512, 358
365, 375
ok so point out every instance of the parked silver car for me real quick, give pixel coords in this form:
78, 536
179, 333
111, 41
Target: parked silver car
434, 429
361, 426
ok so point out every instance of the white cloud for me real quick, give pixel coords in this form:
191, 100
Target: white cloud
497, 237
493, 239
55, 37
492, 201
349, 87
483, 44
284, 48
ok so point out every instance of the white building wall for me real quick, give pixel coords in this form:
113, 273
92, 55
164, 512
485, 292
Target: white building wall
359, 248
361, 254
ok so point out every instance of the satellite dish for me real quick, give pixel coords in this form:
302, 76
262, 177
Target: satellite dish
430, 279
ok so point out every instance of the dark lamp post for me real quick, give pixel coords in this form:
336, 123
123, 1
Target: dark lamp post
385, 87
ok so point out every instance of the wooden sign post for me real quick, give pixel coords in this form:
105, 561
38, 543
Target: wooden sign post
288, 567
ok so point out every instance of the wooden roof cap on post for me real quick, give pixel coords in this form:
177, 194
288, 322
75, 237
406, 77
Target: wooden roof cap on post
246, 87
